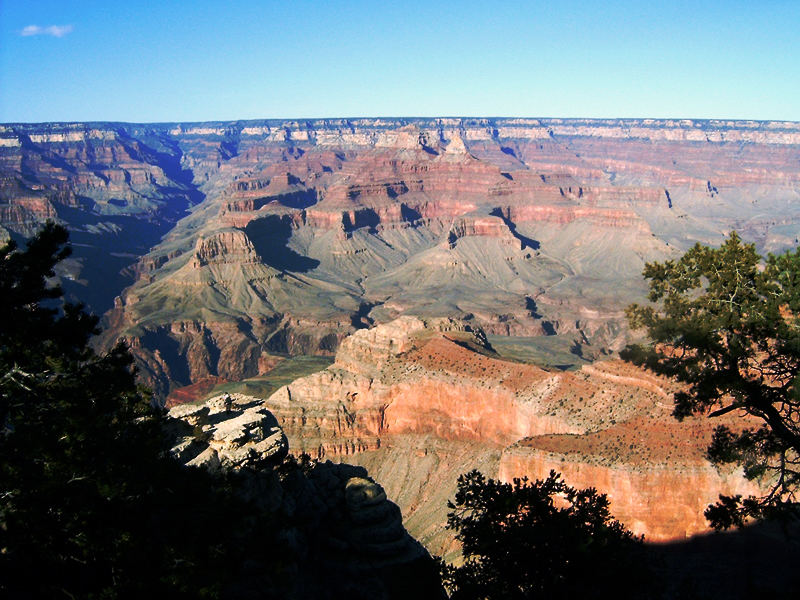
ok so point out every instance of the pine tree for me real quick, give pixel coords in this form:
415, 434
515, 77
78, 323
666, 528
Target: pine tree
539, 539
727, 324
91, 505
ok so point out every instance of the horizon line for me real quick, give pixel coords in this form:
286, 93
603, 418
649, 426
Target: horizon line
395, 118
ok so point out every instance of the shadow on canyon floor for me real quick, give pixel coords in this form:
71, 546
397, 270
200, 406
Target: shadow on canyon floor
106, 246
759, 561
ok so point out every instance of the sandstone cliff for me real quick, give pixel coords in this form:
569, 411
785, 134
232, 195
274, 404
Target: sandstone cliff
421, 401
334, 516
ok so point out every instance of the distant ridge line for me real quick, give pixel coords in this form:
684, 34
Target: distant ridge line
448, 120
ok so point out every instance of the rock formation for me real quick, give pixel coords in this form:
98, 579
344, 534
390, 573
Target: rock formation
219, 246
402, 246
421, 401
246, 239
335, 516
223, 438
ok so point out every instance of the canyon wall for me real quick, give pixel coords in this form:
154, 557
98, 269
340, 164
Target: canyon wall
419, 401
395, 244
340, 535
220, 244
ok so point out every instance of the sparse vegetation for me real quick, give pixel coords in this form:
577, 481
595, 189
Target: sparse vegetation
264, 385
551, 351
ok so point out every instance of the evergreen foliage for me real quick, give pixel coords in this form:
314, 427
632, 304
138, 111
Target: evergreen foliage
727, 324
91, 505
539, 540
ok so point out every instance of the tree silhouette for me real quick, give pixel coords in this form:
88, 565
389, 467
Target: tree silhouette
538, 539
90, 503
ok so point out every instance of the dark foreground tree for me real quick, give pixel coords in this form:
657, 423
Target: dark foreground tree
727, 324
90, 504
539, 540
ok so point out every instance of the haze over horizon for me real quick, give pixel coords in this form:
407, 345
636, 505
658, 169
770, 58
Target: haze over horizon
133, 62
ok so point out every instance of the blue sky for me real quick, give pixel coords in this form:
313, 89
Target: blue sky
192, 61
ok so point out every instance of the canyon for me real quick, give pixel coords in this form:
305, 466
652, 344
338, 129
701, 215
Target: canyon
211, 247
466, 277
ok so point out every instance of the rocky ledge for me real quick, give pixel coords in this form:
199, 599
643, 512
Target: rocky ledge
421, 400
216, 437
334, 513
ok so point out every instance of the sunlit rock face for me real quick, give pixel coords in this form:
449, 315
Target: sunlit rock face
419, 401
216, 245
334, 518
231, 436
663, 500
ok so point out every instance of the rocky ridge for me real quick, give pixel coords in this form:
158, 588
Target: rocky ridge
421, 401
313, 229
331, 508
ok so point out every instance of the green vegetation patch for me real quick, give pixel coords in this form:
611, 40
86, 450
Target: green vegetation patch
284, 373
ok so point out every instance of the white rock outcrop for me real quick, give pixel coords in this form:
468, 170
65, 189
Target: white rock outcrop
212, 435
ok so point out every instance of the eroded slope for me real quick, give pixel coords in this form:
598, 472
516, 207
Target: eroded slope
310, 230
421, 401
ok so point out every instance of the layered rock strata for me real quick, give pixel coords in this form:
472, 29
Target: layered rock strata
334, 514
429, 399
265, 237
118, 192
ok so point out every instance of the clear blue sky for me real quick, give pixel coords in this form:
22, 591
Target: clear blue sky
198, 60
